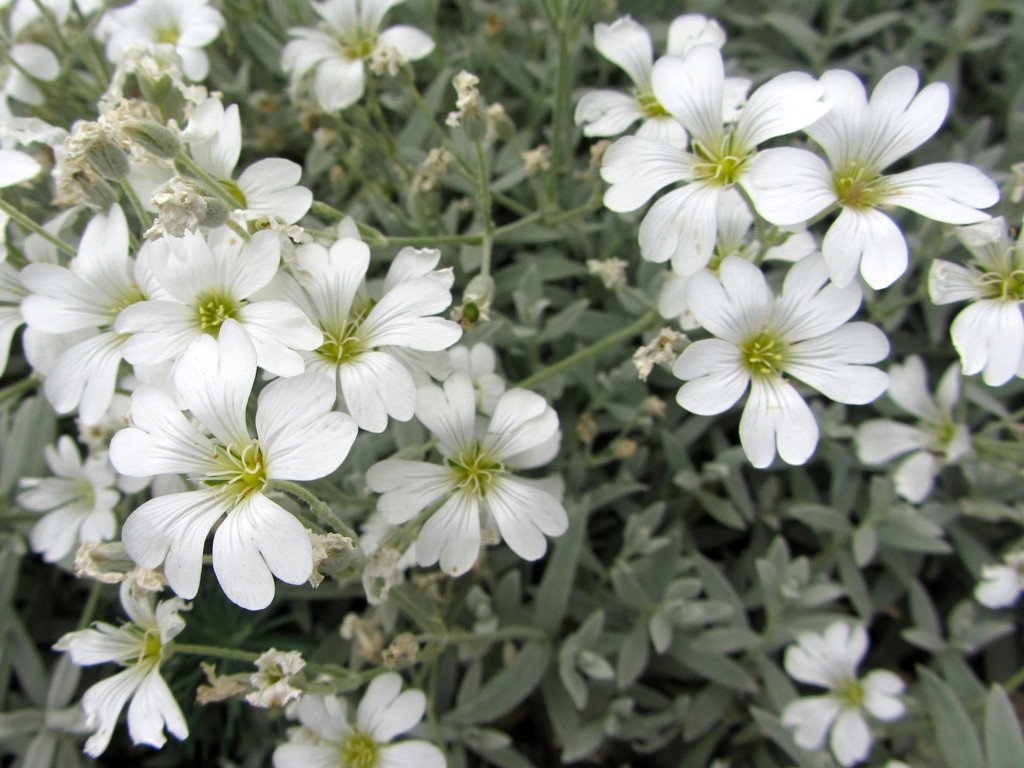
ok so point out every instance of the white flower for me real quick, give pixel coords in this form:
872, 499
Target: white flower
989, 333
762, 340
479, 362
347, 37
682, 225
28, 59
85, 299
937, 440
299, 438
208, 283
628, 44
11, 294
384, 712
476, 477
140, 647
830, 660
373, 348
1001, 585
268, 187
734, 223
861, 139
79, 501
187, 26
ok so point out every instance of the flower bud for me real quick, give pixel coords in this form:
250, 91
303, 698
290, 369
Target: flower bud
156, 138
107, 158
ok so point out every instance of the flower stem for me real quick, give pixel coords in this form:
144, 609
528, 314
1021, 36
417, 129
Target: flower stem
216, 652
320, 508
639, 326
140, 212
13, 390
30, 225
485, 211
214, 186
90, 605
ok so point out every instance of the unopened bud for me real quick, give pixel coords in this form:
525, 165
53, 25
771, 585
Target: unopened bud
107, 159
155, 138
216, 212
99, 194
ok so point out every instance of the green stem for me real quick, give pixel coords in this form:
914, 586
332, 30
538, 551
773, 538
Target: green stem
12, 391
213, 186
320, 508
90, 605
1014, 681
30, 225
140, 212
485, 211
507, 633
216, 652
639, 326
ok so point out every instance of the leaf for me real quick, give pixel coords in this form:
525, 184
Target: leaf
718, 587
1004, 744
865, 545
560, 574
820, 518
560, 324
633, 655
722, 510
503, 692
716, 667
958, 741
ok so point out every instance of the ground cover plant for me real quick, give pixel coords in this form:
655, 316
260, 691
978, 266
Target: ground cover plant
449, 382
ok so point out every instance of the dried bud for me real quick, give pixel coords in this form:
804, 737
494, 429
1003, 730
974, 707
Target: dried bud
108, 562
273, 682
332, 553
471, 111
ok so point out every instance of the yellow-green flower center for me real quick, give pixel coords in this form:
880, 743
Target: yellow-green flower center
132, 296
168, 35
360, 751
150, 646
650, 105
1003, 286
850, 693
343, 345
857, 186
212, 309
241, 469
763, 354
475, 471
723, 165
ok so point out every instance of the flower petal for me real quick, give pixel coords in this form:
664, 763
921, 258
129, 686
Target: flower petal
851, 738
948, 192
716, 377
302, 438
628, 44
776, 415
451, 535
682, 226
834, 364
339, 83
524, 514
408, 487
412, 43
989, 336
637, 168
606, 113
789, 186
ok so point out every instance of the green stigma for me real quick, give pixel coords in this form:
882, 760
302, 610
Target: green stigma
850, 693
857, 187
650, 105
360, 751
213, 309
721, 166
242, 469
763, 354
475, 471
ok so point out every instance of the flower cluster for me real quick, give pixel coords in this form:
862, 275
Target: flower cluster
239, 252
